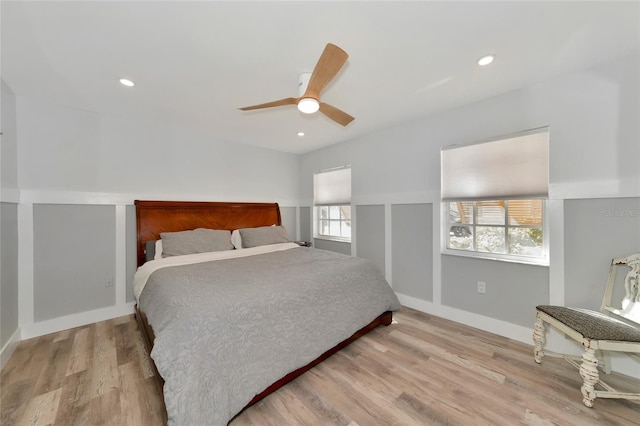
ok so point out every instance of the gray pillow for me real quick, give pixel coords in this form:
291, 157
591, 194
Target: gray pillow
197, 241
253, 237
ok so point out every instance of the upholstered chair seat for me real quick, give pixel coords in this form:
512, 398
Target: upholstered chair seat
592, 324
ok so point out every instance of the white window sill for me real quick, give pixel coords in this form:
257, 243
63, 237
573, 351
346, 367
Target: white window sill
497, 257
335, 239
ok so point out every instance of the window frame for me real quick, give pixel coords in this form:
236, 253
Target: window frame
543, 260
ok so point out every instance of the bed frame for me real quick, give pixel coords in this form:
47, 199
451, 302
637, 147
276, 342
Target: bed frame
154, 217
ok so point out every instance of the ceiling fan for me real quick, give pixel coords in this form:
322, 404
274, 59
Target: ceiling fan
311, 84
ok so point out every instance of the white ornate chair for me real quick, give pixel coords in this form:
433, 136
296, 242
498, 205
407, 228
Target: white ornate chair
611, 329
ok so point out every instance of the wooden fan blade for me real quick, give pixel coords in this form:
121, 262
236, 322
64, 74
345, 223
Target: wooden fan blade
335, 114
330, 62
281, 102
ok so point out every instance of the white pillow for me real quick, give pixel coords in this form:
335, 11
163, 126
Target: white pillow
236, 239
158, 254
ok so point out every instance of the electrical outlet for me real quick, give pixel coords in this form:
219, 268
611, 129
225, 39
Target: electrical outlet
482, 287
109, 283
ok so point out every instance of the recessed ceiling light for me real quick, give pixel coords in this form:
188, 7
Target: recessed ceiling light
486, 60
300, 134
126, 82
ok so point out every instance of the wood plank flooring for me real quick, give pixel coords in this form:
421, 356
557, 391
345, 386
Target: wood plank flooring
421, 370
98, 374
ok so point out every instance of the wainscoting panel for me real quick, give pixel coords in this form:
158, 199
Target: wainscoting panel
305, 224
74, 259
337, 246
370, 232
512, 289
288, 215
9, 269
412, 248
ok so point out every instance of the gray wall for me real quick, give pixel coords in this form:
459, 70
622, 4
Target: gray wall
111, 154
288, 217
74, 257
412, 248
337, 246
9, 271
370, 234
589, 114
595, 231
131, 250
305, 224
9, 319
512, 289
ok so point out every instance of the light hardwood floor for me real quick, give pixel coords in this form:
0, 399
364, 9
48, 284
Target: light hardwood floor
421, 370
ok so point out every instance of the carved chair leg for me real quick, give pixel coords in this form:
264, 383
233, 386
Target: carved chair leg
589, 373
539, 339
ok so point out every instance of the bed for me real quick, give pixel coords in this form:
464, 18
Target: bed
227, 327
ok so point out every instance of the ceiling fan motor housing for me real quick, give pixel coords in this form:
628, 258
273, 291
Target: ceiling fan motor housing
306, 105
303, 83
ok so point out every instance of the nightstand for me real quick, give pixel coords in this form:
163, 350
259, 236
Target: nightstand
303, 243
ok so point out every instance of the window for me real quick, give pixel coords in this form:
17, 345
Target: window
332, 204
509, 227
494, 198
334, 222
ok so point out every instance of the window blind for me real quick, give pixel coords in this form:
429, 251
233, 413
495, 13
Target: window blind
511, 167
332, 187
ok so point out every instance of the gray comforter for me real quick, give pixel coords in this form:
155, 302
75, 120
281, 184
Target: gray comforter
226, 330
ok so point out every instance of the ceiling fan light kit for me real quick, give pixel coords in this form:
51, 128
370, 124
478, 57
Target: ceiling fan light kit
308, 105
311, 84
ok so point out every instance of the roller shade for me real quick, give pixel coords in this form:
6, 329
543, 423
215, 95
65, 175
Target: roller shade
511, 167
332, 187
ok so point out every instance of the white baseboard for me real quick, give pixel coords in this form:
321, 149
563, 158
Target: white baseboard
9, 347
76, 320
492, 325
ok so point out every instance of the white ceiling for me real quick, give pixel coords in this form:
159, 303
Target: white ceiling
195, 63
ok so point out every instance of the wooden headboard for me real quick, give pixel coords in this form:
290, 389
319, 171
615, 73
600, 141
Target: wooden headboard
154, 217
